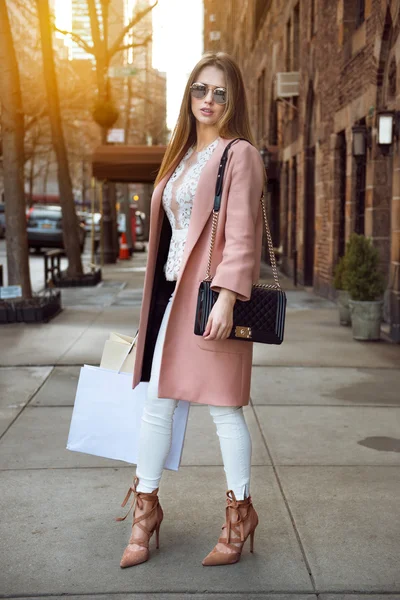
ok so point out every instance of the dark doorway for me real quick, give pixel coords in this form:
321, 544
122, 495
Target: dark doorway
359, 226
309, 190
342, 192
293, 210
274, 211
309, 217
286, 209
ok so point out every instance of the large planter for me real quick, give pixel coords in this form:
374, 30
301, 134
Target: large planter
40, 309
366, 319
87, 279
343, 306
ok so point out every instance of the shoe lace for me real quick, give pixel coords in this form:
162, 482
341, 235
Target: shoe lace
137, 500
231, 511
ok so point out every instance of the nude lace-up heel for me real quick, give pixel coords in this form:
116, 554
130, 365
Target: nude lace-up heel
241, 520
152, 517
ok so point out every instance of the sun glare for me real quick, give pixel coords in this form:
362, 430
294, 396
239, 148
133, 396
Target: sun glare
63, 15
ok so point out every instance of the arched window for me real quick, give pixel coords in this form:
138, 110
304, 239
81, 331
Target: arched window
260, 11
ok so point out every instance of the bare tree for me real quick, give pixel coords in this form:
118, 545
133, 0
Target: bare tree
12, 121
70, 222
105, 113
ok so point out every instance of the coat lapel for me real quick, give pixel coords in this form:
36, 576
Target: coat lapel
203, 201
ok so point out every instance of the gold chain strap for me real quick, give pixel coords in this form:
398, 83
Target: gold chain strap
273, 286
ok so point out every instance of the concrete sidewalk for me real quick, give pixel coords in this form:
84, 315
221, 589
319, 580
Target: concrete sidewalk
324, 420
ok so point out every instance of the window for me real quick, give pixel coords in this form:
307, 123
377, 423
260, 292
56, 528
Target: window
289, 45
392, 79
261, 105
360, 12
260, 11
296, 38
313, 17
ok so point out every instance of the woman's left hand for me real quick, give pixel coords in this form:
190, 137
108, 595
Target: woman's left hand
220, 320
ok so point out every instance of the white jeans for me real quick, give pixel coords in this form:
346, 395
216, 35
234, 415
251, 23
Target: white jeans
156, 433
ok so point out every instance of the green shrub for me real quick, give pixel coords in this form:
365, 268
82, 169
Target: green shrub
338, 281
362, 277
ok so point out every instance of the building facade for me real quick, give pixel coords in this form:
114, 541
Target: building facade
318, 75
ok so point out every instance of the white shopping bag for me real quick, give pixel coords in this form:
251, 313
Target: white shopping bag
107, 415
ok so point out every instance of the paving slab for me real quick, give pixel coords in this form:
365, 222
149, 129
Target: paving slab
60, 388
17, 386
348, 522
358, 597
313, 338
128, 297
101, 295
44, 343
208, 596
202, 444
304, 300
325, 385
89, 347
38, 440
62, 531
328, 435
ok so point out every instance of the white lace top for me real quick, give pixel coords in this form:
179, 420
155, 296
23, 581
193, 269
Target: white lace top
177, 201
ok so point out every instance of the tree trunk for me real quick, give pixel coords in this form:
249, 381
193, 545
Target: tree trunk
12, 122
102, 57
69, 218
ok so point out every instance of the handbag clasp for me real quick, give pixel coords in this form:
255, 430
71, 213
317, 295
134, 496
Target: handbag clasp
243, 332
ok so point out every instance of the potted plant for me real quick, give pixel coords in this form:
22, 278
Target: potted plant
343, 295
364, 282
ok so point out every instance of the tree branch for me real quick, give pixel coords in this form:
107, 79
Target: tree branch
36, 118
128, 46
134, 21
77, 38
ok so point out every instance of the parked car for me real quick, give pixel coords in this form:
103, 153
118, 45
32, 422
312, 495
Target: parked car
87, 218
2, 221
44, 228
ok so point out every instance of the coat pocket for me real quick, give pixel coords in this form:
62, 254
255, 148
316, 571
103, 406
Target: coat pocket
227, 346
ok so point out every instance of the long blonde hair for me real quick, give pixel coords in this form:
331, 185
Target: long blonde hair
234, 122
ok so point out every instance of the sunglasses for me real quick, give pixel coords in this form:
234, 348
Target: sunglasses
200, 90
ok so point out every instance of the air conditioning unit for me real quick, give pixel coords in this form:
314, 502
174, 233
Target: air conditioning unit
287, 84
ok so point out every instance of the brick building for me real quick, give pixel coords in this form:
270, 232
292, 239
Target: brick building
318, 75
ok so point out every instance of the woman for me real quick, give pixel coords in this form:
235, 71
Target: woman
178, 364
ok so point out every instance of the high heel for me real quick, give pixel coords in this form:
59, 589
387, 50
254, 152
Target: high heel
252, 540
132, 556
242, 520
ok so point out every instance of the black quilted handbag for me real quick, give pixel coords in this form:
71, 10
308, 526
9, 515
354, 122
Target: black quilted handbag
260, 319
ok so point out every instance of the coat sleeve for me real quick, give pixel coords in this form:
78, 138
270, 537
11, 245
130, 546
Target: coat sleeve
235, 271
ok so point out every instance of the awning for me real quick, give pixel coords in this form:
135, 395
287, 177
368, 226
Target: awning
135, 164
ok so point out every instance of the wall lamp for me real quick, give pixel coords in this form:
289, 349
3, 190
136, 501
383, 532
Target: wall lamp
361, 141
266, 156
388, 129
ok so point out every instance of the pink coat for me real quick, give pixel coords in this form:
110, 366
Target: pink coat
216, 372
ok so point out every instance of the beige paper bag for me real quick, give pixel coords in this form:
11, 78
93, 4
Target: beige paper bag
119, 353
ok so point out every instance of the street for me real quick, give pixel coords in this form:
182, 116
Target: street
324, 421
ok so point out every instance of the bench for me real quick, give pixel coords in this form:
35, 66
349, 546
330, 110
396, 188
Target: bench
52, 266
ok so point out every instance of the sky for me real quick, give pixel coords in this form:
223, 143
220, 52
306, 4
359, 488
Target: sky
177, 43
